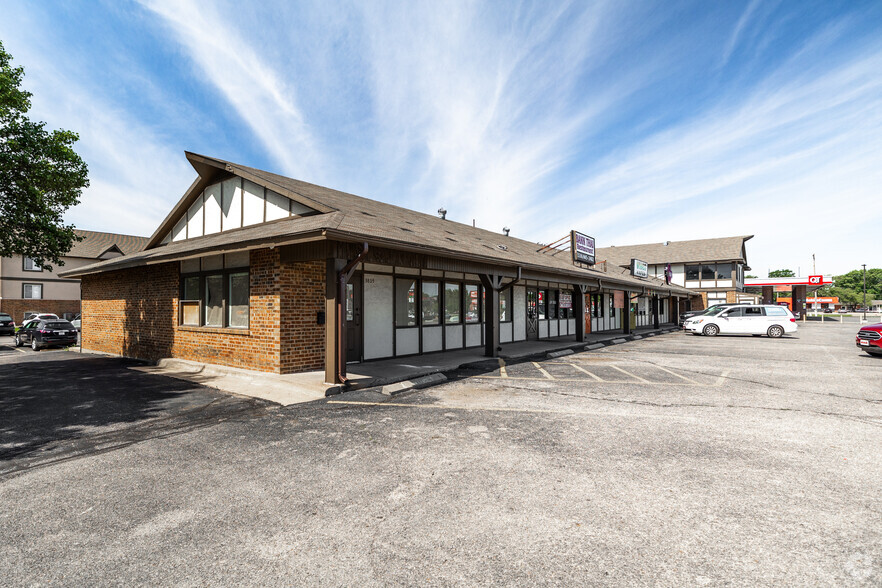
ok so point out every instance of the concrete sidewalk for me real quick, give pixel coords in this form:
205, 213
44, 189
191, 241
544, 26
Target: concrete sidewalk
391, 376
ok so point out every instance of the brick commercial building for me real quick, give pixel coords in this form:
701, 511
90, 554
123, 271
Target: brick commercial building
27, 287
712, 268
259, 271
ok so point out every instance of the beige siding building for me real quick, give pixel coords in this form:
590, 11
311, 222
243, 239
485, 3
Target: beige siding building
26, 287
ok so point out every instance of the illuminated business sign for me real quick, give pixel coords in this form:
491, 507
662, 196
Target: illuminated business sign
639, 269
815, 280
582, 247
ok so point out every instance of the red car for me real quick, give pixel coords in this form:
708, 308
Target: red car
869, 339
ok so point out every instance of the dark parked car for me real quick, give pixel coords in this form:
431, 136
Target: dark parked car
869, 338
7, 325
46, 333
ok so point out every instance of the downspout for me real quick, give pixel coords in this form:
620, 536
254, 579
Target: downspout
342, 279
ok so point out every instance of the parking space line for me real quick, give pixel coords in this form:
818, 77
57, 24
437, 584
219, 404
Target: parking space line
601, 413
542, 370
630, 375
502, 371
722, 378
676, 374
582, 380
584, 371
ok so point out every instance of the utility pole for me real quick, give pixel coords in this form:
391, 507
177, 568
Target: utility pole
865, 291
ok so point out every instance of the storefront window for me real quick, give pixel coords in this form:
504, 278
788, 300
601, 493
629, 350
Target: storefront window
190, 301
707, 272
452, 304
505, 305
431, 303
405, 302
692, 272
566, 304
543, 299
612, 306
237, 315
724, 271
214, 301
552, 304
473, 307
350, 302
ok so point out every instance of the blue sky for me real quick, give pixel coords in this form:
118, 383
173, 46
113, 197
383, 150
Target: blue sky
634, 122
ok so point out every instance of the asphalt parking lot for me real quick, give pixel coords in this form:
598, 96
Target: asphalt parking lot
674, 460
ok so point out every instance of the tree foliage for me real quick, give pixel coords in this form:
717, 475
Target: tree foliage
782, 273
41, 176
850, 287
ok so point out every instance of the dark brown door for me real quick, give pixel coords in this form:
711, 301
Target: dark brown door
532, 314
353, 319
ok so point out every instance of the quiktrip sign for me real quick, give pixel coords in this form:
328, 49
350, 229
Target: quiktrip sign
582, 247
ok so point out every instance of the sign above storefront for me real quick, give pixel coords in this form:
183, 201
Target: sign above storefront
639, 269
582, 247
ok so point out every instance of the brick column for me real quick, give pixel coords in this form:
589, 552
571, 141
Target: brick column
768, 295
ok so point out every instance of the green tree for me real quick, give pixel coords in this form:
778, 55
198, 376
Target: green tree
782, 273
40, 177
854, 280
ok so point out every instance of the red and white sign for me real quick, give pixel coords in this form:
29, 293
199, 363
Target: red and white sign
816, 280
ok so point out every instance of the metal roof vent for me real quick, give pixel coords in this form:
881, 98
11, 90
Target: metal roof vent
667, 243
502, 247
442, 213
506, 230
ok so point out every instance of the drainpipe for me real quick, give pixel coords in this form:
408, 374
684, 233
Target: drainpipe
342, 279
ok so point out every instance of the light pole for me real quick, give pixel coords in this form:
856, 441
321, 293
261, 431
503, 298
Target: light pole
865, 291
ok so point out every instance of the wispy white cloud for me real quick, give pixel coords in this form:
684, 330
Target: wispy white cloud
776, 161
233, 64
136, 175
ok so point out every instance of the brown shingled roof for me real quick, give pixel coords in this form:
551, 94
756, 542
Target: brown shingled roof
96, 243
355, 219
694, 251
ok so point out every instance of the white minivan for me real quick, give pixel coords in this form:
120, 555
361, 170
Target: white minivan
764, 319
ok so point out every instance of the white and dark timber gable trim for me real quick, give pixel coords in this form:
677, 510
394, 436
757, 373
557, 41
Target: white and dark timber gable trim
220, 201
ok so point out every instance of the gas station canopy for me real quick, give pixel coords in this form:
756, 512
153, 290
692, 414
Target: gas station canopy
811, 283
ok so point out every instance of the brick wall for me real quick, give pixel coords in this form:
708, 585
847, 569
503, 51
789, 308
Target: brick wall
303, 339
134, 313
16, 307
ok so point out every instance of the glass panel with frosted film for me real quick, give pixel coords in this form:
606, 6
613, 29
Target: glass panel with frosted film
214, 301
237, 315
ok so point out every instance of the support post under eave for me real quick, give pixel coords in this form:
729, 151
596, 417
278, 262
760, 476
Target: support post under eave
492, 285
331, 332
655, 321
675, 309
626, 319
579, 310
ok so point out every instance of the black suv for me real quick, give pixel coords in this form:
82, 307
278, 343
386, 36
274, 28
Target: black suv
46, 333
7, 325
